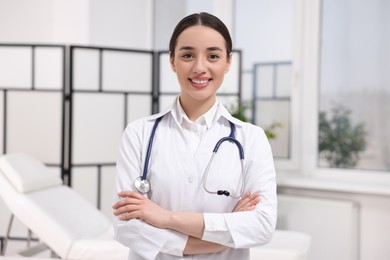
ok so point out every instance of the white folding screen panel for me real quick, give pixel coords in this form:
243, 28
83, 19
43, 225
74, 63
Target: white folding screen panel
167, 77
48, 68
15, 67
97, 126
31, 83
85, 182
34, 124
99, 192
169, 87
138, 106
85, 68
127, 71
166, 101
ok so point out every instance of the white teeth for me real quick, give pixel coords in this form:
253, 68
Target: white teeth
199, 81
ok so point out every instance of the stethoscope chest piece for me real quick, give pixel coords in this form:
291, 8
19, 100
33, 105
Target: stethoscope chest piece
142, 185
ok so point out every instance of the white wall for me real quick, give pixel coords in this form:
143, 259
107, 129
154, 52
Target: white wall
165, 21
372, 222
264, 30
44, 21
121, 23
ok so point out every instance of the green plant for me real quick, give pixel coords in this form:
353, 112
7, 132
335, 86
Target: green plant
270, 130
339, 141
239, 112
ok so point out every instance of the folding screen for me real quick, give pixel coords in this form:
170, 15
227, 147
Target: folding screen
109, 88
31, 101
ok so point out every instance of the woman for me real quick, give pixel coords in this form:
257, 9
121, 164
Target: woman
181, 216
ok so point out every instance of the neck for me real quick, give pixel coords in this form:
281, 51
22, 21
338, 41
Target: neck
196, 108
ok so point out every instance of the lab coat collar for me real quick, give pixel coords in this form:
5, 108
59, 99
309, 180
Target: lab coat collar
221, 112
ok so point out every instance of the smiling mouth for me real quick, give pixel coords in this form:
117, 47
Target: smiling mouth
199, 81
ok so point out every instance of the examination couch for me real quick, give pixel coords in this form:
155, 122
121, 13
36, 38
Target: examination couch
73, 229
62, 219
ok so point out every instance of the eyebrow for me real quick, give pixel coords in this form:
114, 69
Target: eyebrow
189, 48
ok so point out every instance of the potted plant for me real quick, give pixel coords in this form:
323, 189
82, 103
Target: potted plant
340, 142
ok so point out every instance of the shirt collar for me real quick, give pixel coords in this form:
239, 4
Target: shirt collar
209, 118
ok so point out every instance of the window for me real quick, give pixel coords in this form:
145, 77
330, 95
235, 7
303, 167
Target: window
354, 85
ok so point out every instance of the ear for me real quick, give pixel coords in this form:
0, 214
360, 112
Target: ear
229, 62
172, 62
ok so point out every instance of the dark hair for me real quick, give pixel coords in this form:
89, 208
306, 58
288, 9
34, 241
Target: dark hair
205, 19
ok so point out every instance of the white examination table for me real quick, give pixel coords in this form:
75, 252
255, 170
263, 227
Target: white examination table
61, 218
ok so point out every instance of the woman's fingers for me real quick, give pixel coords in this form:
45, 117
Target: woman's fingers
128, 203
125, 201
247, 202
125, 205
132, 205
129, 194
126, 197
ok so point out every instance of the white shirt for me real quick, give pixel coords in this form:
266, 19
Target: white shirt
176, 177
193, 131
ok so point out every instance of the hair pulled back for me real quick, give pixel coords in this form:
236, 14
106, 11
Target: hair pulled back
204, 19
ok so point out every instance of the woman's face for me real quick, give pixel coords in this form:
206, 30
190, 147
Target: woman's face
200, 63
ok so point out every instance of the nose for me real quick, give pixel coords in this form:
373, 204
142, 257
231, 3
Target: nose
199, 66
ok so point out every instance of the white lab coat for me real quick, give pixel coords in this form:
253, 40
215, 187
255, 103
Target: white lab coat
176, 177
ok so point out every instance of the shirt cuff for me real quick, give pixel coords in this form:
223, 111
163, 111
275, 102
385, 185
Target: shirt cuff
216, 230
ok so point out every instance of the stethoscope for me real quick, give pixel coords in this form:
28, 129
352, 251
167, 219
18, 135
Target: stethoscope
143, 185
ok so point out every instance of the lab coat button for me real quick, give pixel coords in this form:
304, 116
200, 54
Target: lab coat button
190, 179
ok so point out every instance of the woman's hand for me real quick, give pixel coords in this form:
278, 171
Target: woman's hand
248, 202
196, 246
133, 205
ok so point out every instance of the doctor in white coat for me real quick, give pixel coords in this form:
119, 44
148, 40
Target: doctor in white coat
185, 205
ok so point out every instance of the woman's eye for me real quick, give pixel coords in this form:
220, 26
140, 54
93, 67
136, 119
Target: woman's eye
213, 57
187, 56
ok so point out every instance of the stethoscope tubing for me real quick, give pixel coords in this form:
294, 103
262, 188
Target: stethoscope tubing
153, 133
224, 192
143, 185
230, 139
